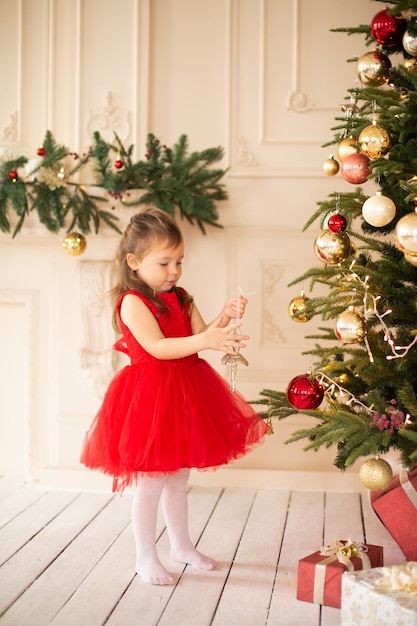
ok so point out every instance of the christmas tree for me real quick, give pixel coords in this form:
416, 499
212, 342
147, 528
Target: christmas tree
362, 387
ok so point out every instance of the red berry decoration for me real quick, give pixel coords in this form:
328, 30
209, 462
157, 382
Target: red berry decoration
118, 164
41, 151
304, 392
13, 175
387, 29
355, 168
337, 223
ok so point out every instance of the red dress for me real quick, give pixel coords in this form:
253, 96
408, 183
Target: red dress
159, 416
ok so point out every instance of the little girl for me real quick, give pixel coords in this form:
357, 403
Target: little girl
169, 410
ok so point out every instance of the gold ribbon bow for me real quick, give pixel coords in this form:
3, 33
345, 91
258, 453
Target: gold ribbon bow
345, 551
398, 578
337, 551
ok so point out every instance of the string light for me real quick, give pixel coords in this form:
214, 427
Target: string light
398, 352
333, 385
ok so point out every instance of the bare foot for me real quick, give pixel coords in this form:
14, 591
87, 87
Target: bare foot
154, 573
193, 557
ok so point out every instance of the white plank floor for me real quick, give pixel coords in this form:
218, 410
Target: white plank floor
67, 558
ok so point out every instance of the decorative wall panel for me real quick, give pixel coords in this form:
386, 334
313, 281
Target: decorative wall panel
284, 98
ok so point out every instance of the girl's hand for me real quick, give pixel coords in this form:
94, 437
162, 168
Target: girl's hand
225, 339
235, 307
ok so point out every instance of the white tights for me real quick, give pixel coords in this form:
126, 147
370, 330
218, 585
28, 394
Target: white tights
173, 489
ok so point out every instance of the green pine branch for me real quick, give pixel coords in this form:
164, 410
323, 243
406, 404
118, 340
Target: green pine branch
171, 179
12, 193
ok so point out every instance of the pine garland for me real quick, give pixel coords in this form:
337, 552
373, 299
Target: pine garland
170, 177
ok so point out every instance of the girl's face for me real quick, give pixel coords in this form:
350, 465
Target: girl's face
160, 268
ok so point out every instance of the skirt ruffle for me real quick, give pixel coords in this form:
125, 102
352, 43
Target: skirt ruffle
162, 417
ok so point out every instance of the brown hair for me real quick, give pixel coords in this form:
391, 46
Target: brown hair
144, 230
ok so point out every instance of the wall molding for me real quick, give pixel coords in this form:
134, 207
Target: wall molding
29, 299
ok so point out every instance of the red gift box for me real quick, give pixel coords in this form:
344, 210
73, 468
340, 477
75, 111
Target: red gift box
396, 507
320, 574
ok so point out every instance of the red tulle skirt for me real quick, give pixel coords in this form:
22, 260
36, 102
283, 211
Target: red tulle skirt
168, 415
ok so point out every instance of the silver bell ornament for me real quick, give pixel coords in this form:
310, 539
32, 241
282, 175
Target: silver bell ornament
378, 210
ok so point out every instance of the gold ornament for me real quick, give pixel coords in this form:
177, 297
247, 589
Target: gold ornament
411, 259
344, 378
378, 210
74, 244
406, 234
349, 551
373, 68
332, 248
297, 309
350, 326
330, 166
411, 64
346, 147
375, 474
374, 141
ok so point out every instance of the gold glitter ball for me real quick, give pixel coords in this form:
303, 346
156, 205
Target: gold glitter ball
74, 244
375, 474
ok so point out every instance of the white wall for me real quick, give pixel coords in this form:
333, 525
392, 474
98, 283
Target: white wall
264, 79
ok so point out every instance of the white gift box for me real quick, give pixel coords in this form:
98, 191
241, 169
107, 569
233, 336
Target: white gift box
383, 596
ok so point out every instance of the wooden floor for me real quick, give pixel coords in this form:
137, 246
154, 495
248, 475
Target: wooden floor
66, 558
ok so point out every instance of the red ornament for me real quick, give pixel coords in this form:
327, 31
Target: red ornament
387, 29
337, 223
13, 175
118, 164
355, 168
304, 392
41, 151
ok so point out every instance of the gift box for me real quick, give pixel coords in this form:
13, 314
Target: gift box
384, 595
396, 507
320, 574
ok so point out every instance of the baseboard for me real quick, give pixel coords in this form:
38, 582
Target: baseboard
223, 477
